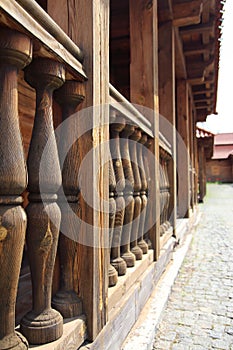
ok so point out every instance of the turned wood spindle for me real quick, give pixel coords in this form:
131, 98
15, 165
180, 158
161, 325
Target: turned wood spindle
116, 260
135, 249
66, 300
162, 202
167, 192
146, 151
43, 324
112, 273
126, 254
15, 53
141, 242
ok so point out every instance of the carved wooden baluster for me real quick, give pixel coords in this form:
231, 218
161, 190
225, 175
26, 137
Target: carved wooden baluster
43, 324
15, 53
162, 203
135, 249
167, 186
112, 273
141, 242
66, 301
127, 255
116, 259
146, 151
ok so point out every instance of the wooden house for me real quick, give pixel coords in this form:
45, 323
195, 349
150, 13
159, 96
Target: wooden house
137, 75
220, 166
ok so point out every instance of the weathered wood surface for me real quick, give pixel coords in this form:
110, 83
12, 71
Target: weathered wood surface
66, 300
144, 92
126, 254
15, 53
167, 105
141, 242
116, 260
43, 324
135, 249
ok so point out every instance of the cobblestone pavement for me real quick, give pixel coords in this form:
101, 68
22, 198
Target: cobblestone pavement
199, 313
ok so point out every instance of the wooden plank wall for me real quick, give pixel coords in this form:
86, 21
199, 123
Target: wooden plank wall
144, 88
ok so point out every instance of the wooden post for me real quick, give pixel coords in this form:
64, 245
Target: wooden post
183, 161
15, 53
191, 152
90, 31
43, 324
66, 301
126, 254
167, 105
201, 155
144, 92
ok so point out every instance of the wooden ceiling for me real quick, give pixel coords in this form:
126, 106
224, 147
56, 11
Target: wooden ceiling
197, 25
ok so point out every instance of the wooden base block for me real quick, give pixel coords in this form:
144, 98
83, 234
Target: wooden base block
129, 258
120, 265
42, 328
14, 341
143, 245
112, 276
137, 252
67, 303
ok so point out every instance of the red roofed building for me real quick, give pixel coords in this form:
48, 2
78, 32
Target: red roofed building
220, 166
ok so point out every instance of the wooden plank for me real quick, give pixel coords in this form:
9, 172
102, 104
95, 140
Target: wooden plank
93, 259
144, 88
60, 17
167, 104
181, 72
52, 41
183, 161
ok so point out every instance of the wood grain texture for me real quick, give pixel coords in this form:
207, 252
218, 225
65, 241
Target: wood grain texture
126, 254
66, 300
43, 324
141, 241
144, 74
135, 137
15, 53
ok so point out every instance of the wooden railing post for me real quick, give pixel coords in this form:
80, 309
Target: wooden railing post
116, 260
146, 151
43, 324
135, 249
126, 254
141, 242
66, 301
15, 53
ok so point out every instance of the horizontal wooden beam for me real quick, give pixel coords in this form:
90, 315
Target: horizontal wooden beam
207, 100
185, 14
198, 29
190, 50
201, 92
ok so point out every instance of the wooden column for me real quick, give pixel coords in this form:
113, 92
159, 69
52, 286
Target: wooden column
201, 156
141, 242
191, 152
15, 53
144, 92
126, 254
135, 249
167, 105
66, 301
183, 160
90, 30
43, 324
117, 262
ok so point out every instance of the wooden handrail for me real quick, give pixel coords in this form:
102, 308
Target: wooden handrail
30, 16
121, 104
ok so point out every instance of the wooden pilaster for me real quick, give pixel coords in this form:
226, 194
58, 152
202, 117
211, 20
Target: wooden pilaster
183, 161
167, 105
91, 33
